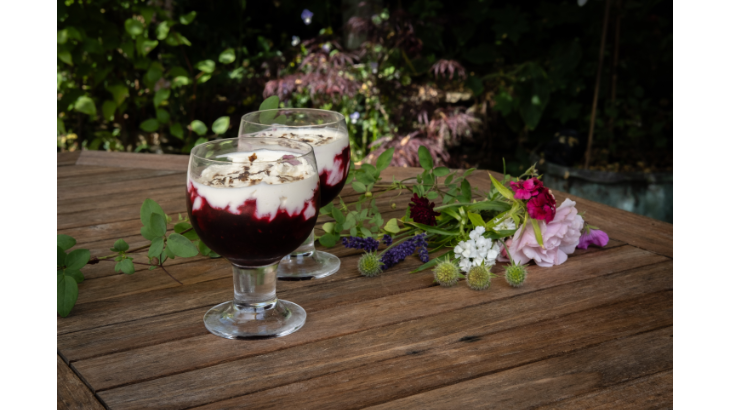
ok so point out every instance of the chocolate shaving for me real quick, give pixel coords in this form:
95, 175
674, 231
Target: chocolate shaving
253, 157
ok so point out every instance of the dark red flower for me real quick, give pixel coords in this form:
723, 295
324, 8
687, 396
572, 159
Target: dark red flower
526, 189
422, 211
542, 206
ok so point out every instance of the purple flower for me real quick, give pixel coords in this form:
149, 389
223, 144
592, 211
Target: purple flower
354, 116
592, 237
355, 242
401, 251
387, 240
307, 16
326, 47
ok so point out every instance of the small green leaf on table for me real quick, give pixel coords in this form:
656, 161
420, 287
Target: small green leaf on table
181, 246
67, 291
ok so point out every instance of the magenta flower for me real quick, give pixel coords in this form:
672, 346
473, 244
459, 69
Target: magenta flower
526, 189
592, 237
542, 206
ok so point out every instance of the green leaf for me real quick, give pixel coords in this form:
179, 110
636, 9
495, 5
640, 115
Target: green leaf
168, 253
199, 127
148, 208
120, 245
134, 27
364, 177
127, 266
146, 233
62, 36
156, 247
328, 240
176, 39
157, 226
85, 105
150, 125
182, 226
432, 229
77, 259
60, 258
476, 219
538, 232
392, 226
65, 56
466, 190
327, 209
107, 110
441, 171
488, 206
281, 119
203, 78
181, 246
501, 188
65, 242
144, 46
328, 227
227, 56
359, 187
60, 127
432, 195
67, 291
384, 159
119, 93
76, 274
177, 130
206, 66
163, 117
424, 157
162, 29
270, 103
199, 141
220, 126
188, 18
161, 95
337, 214
366, 232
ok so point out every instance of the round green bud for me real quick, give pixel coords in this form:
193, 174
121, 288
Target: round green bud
369, 265
515, 275
446, 273
368, 194
393, 206
479, 277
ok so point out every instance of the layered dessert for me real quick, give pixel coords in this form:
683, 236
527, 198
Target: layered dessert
254, 207
332, 150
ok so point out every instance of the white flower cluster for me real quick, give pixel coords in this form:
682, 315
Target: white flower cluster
477, 250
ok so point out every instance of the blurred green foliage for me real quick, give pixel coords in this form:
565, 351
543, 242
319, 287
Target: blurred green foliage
154, 77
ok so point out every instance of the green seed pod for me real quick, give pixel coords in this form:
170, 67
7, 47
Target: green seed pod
369, 265
479, 277
515, 275
393, 206
446, 273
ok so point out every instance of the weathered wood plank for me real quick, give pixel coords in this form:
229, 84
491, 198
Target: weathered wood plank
122, 187
93, 181
71, 392
67, 158
134, 160
547, 381
77, 170
650, 392
75, 205
207, 350
622, 298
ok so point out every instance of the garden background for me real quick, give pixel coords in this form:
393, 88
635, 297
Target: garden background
474, 81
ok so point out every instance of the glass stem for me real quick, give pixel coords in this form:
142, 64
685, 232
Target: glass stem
307, 248
254, 286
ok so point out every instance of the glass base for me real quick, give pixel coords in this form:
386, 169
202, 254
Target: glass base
314, 265
236, 321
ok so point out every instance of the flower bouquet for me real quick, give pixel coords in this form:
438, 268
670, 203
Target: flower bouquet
516, 221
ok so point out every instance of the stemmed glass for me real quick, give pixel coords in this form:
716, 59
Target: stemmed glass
253, 201
326, 132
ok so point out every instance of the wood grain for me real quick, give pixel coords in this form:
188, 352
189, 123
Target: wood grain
71, 392
601, 302
554, 379
134, 160
67, 158
206, 350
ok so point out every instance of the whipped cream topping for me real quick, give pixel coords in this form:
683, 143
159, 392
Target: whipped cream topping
327, 144
275, 179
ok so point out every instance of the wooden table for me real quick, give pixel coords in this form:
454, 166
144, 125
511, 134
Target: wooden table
593, 332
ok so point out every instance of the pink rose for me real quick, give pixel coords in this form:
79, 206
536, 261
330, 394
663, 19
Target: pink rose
560, 238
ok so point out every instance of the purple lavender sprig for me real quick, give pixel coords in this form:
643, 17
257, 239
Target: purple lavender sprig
401, 251
355, 242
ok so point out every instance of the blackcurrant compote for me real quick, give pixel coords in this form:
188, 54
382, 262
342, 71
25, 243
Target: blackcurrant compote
253, 201
326, 132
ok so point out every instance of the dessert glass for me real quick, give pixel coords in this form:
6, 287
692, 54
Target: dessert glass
253, 201
326, 132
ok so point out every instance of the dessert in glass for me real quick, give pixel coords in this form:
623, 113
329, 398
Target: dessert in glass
326, 132
253, 201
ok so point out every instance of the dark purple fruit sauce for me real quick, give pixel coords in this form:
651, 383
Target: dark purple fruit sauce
330, 192
245, 239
